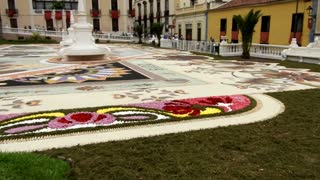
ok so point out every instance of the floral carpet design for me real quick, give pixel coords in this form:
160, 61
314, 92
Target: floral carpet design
104, 72
57, 121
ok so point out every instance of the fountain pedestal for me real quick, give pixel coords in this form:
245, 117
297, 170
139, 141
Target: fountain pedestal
83, 47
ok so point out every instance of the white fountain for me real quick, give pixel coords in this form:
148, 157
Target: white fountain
68, 40
83, 48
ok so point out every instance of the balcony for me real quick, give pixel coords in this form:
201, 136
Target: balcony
131, 12
115, 14
12, 12
166, 13
95, 12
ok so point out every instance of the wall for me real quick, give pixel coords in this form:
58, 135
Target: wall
193, 19
280, 23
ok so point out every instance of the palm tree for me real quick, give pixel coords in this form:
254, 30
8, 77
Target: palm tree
139, 30
246, 25
157, 28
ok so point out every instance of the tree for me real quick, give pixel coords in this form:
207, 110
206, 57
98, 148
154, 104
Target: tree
157, 28
58, 5
139, 30
246, 25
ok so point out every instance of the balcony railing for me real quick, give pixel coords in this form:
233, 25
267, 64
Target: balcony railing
115, 14
12, 12
95, 12
225, 49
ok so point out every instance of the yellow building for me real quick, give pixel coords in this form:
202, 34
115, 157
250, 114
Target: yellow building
277, 25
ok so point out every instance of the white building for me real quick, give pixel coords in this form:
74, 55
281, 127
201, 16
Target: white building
152, 11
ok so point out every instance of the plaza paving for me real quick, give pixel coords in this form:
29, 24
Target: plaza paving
144, 78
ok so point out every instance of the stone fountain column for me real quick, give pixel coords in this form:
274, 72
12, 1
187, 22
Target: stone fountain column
68, 40
83, 47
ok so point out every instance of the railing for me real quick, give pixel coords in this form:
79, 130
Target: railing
224, 49
256, 50
107, 37
110, 37
194, 46
22, 31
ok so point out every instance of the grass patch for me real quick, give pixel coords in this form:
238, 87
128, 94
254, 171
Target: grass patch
285, 147
28, 41
31, 166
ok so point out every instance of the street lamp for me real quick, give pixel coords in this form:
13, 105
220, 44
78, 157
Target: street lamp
310, 11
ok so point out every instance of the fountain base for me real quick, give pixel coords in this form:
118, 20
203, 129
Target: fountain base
95, 59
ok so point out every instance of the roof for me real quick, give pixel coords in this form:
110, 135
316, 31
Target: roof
237, 3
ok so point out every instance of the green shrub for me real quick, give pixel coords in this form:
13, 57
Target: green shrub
36, 36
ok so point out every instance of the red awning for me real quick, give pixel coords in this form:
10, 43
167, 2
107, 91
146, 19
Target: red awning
58, 15
95, 13
115, 14
47, 15
235, 35
264, 37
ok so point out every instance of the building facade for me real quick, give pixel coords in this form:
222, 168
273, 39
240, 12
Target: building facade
106, 16
278, 25
156, 11
192, 18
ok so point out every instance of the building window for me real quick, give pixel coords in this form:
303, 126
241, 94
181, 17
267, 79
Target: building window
151, 6
223, 27
265, 28
95, 4
13, 23
49, 24
296, 27
145, 8
188, 32
166, 5
193, 2
130, 5
234, 31
11, 4
179, 31
96, 25
114, 4
115, 25
45, 4
199, 32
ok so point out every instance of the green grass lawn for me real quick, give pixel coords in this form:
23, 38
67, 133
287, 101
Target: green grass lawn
18, 166
285, 147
